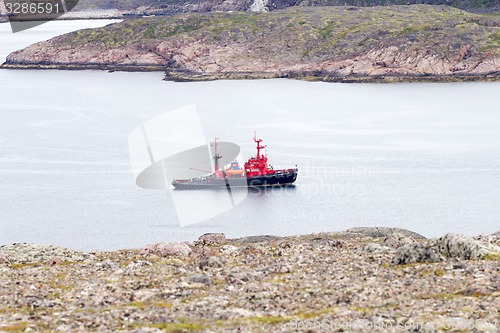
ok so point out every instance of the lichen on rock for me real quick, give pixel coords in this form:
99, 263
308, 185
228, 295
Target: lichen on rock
440, 249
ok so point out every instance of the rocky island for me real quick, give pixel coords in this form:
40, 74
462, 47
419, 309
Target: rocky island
361, 280
346, 44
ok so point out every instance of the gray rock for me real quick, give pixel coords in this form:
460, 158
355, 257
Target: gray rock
137, 265
375, 247
412, 253
110, 264
147, 330
202, 251
213, 239
461, 247
22, 253
201, 278
259, 6
3, 259
167, 249
448, 246
54, 261
258, 239
211, 262
229, 250
327, 242
379, 232
493, 239
278, 269
397, 239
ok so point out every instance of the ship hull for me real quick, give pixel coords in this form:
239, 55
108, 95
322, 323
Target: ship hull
285, 178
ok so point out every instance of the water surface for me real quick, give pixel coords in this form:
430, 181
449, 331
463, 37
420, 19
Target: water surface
425, 156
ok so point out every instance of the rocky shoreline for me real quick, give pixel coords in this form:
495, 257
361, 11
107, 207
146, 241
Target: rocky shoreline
332, 44
313, 76
183, 76
363, 279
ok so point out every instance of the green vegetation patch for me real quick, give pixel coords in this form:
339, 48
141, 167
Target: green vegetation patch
492, 256
309, 34
176, 327
25, 265
17, 327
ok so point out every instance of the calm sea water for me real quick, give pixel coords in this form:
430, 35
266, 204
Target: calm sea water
425, 157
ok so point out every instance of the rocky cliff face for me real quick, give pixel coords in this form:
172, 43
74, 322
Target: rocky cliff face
328, 43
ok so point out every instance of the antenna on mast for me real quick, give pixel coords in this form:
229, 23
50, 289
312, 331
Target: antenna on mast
258, 141
217, 157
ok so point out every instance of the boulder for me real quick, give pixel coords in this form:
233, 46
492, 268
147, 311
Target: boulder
229, 250
375, 247
22, 253
54, 261
213, 239
214, 262
439, 249
383, 232
259, 6
200, 252
201, 278
397, 239
258, 239
167, 249
461, 247
413, 253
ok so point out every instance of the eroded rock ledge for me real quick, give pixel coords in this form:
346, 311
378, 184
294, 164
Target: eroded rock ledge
346, 44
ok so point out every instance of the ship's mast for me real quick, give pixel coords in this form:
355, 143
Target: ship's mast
259, 147
217, 157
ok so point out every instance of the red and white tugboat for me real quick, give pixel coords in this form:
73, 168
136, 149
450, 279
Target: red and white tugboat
255, 173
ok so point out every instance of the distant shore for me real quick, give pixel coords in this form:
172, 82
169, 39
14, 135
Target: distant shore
314, 76
331, 44
387, 278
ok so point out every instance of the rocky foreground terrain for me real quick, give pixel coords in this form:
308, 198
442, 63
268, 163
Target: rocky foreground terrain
361, 280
